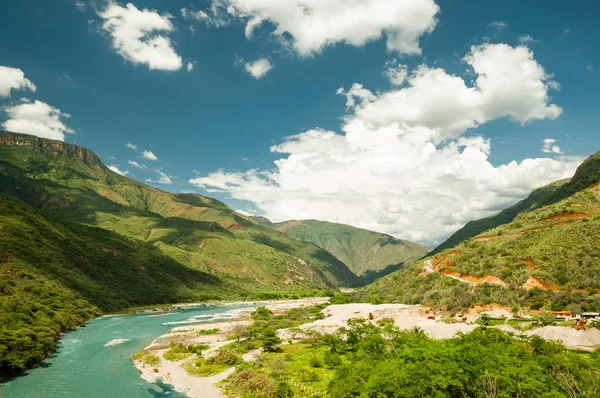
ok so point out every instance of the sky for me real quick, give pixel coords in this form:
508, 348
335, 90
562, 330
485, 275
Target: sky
408, 117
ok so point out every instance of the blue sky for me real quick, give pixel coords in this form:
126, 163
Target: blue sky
212, 127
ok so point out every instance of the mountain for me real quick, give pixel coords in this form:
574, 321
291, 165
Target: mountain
545, 255
368, 254
71, 183
474, 228
77, 240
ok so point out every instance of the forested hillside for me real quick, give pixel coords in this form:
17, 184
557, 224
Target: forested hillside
54, 275
72, 183
368, 254
545, 258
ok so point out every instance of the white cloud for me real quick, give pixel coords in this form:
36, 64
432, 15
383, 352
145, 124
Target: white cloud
136, 164
402, 164
499, 26
13, 79
163, 178
132, 146
509, 82
37, 118
549, 147
136, 36
190, 66
219, 15
149, 155
259, 68
115, 168
309, 26
395, 72
526, 39
80, 5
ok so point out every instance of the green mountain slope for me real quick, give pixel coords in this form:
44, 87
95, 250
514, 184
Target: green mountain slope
72, 183
545, 258
368, 254
54, 275
474, 228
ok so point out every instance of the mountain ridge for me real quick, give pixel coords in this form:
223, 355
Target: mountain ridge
367, 253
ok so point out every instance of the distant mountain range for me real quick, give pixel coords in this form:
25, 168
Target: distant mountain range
542, 253
368, 254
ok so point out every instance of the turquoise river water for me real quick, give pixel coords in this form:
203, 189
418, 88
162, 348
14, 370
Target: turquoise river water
85, 366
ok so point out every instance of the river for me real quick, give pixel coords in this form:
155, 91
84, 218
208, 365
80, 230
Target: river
85, 366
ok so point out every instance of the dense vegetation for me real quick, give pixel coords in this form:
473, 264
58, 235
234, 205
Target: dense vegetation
72, 183
368, 360
545, 258
54, 275
368, 254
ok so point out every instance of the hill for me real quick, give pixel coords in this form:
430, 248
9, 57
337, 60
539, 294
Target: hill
55, 275
72, 183
368, 254
546, 257
474, 228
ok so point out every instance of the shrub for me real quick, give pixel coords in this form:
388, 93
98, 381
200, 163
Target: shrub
315, 362
224, 357
332, 359
283, 390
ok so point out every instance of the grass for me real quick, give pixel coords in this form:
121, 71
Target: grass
146, 357
199, 367
208, 331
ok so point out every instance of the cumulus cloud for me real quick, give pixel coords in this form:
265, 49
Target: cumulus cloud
149, 155
136, 164
309, 26
510, 82
115, 168
259, 68
395, 72
190, 66
140, 36
130, 145
549, 147
163, 178
37, 118
403, 163
13, 79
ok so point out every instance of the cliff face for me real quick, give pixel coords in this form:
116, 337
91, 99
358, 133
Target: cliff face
51, 147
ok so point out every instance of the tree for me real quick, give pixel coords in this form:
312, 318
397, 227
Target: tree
270, 339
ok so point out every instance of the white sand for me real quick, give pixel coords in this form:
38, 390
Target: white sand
587, 340
405, 317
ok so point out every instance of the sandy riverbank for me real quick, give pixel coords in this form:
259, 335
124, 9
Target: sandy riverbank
205, 387
404, 316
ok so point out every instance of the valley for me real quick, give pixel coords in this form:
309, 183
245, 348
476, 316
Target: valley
79, 241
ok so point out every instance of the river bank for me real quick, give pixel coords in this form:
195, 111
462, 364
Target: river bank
217, 334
